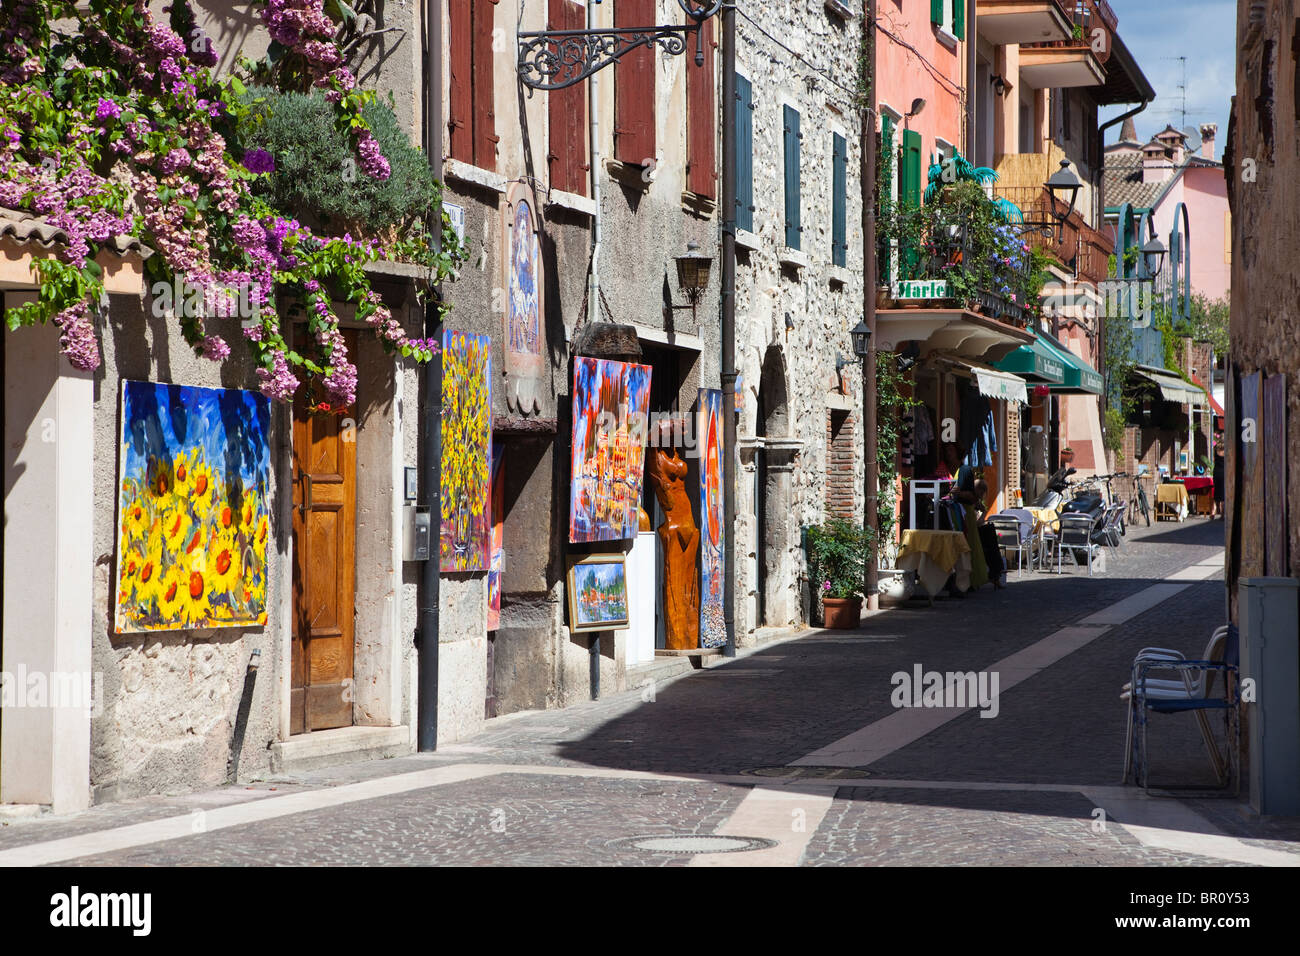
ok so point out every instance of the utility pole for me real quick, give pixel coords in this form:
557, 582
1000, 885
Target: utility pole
870, 451
729, 322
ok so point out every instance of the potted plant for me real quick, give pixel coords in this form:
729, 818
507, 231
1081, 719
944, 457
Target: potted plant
837, 555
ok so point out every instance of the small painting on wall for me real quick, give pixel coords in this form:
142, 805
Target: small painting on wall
610, 420
597, 593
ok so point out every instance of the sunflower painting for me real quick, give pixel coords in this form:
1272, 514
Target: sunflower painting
466, 452
192, 514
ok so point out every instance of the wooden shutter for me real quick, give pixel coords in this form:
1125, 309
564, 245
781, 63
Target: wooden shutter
634, 89
744, 154
959, 19
791, 128
936, 11
485, 120
567, 113
460, 124
839, 200
910, 192
701, 112
888, 152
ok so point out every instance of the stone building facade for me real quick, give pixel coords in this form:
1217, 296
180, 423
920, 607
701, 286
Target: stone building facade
1263, 391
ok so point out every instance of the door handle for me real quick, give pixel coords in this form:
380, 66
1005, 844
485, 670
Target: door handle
305, 505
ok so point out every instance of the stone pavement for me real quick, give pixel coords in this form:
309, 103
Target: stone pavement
795, 744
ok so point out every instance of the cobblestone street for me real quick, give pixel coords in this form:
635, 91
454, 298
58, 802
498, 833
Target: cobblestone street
795, 745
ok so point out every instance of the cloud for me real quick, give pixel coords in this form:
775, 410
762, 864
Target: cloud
1157, 33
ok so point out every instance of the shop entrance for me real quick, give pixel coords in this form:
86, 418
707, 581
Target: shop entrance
324, 565
771, 494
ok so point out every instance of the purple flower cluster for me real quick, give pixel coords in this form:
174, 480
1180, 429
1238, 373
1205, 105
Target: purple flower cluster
175, 160
259, 161
278, 383
373, 163
77, 340
107, 110
292, 22
215, 348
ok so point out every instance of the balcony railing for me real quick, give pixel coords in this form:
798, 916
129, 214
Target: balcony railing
1081, 247
1085, 15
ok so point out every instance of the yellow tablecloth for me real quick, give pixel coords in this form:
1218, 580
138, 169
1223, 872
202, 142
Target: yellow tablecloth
1044, 518
934, 555
1174, 496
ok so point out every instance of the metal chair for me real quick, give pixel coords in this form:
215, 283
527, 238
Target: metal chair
1074, 532
1111, 524
1011, 537
1192, 692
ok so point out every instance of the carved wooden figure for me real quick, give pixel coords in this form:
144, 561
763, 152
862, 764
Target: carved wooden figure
680, 539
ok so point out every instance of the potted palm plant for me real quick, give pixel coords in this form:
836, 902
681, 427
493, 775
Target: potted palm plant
837, 556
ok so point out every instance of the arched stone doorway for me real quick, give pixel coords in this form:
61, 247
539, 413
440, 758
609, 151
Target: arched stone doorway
777, 530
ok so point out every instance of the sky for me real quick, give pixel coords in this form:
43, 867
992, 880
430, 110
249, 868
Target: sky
1156, 33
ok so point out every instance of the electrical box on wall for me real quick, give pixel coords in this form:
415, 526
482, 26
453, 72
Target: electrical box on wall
417, 539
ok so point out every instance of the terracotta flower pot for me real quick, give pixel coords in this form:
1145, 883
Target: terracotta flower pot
884, 297
842, 613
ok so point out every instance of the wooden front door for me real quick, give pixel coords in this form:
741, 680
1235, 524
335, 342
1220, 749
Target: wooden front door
324, 565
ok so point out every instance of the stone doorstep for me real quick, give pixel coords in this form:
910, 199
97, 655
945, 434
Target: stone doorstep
323, 748
21, 811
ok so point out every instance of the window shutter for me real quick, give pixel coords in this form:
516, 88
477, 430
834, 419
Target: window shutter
485, 134
910, 193
884, 190
567, 113
959, 19
936, 11
744, 154
839, 200
792, 184
634, 89
701, 111
460, 122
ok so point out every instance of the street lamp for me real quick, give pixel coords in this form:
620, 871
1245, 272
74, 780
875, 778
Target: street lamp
1153, 256
693, 273
861, 335
1063, 186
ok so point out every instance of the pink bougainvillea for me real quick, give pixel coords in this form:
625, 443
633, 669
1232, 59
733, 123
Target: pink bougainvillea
130, 133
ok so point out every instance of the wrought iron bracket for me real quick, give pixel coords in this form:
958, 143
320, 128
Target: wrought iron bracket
556, 59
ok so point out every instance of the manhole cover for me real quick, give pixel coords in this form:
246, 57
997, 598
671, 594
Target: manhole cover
695, 843
793, 773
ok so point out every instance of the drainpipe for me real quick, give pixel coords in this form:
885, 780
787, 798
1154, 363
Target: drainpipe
870, 438
971, 50
728, 371
593, 115
431, 411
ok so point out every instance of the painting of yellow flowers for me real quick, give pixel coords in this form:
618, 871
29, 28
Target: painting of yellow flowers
466, 451
193, 509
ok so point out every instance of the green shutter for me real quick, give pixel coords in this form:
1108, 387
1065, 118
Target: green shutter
839, 200
792, 228
744, 154
884, 189
959, 19
910, 193
936, 11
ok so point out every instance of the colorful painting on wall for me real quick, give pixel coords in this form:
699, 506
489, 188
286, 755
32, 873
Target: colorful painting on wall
524, 327
610, 421
713, 622
498, 562
598, 593
466, 451
193, 511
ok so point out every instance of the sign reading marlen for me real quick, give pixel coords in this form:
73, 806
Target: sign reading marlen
611, 401
192, 519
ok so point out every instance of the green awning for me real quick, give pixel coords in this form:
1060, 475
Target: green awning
1172, 388
1034, 362
1080, 377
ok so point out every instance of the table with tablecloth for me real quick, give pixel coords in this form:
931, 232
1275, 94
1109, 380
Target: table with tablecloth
934, 555
1171, 500
1201, 488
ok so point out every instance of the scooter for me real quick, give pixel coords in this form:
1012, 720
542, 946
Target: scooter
1088, 501
1057, 485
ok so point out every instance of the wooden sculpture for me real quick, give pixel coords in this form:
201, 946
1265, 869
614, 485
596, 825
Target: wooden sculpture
680, 539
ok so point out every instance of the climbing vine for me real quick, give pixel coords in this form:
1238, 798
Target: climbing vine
114, 124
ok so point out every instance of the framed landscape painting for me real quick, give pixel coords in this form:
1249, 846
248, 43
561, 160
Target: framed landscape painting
597, 593
193, 508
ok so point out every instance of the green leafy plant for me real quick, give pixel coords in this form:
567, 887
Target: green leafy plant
838, 551
891, 404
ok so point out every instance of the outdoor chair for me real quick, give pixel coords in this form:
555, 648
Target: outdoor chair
1012, 537
1073, 532
1111, 524
1191, 691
